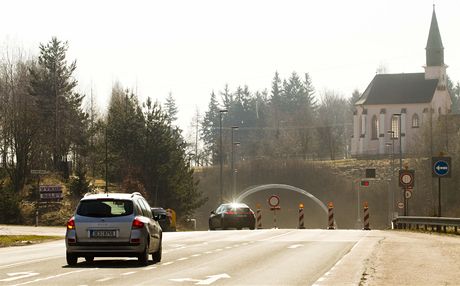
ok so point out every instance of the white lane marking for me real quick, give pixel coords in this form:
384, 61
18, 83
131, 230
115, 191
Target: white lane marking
218, 250
104, 279
167, 263
128, 273
228, 247
29, 262
149, 268
55, 276
245, 243
295, 246
209, 280
236, 245
208, 252
182, 259
276, 236
196, 255
18, 275
322, 278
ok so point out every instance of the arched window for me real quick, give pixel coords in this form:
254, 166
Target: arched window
375, 127
415, 121
395, 126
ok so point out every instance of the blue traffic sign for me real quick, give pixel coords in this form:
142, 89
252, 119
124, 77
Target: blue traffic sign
441, 167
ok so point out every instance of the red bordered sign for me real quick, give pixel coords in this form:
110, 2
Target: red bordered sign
274, 201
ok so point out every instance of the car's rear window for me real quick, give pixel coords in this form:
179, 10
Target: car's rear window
105, 208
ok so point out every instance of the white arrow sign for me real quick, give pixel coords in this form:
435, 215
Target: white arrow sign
18, 275
442, 168
209, 280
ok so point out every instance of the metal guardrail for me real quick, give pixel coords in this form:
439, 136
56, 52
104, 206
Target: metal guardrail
423, 222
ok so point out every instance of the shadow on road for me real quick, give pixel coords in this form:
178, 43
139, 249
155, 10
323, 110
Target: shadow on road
109, 263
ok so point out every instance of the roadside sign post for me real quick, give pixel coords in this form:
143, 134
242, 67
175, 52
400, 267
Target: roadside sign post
38, 173
274, 202
406, 181
441, 168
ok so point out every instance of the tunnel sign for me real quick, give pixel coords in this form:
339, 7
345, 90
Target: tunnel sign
441, 166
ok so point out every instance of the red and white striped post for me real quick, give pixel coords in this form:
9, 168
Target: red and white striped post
258, 217
330, 207
366, 216
301, 224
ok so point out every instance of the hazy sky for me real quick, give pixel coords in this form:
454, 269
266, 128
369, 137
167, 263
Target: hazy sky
193, 47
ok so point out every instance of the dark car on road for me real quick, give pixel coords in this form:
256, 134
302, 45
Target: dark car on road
163, 217
233, 215
113, 225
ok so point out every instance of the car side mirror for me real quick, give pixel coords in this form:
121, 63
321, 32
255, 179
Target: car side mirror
213, 212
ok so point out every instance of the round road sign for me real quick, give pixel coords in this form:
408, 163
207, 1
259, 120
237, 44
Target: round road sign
406, 178
274, 201
401, 205
408, 194
441, 168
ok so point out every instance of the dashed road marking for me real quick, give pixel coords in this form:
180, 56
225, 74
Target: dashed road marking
104, 279
182, 259
128, 273
167, 263
149, 268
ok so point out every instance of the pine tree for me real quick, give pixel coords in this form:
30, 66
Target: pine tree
210, 130
62, 119
171, 108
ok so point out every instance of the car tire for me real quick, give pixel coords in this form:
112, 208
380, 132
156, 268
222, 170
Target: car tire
143, 257
252, 227
89, 258
239, 228
211, 227
223, 226
71, 258
156, 256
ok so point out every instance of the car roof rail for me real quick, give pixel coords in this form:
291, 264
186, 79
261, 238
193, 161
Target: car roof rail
136, 194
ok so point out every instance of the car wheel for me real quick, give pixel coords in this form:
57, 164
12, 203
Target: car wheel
156, 256
252, 227
239, 228
143, 257
89, 258
211, 226
223, 225
72, 259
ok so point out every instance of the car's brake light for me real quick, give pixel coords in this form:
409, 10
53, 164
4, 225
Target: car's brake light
137, 223
71, 223
230, 212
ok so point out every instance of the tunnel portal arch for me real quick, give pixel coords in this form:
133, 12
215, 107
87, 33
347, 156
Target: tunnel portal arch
251, 190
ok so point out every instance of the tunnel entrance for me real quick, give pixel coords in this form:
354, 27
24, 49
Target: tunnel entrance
255, 189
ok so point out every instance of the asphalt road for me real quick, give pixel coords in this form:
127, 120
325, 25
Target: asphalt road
258, 257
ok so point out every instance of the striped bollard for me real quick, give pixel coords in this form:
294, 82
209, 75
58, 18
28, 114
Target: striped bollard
366, 216
259, 217
301, 225
330, 207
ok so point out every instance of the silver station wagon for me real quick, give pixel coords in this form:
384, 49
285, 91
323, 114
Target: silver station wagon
113, 225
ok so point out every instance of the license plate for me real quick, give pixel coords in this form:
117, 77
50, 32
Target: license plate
99, 233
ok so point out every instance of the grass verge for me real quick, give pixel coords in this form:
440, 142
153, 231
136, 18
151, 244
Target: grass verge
19, 240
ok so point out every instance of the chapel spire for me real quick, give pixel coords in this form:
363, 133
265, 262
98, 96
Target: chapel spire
434, 47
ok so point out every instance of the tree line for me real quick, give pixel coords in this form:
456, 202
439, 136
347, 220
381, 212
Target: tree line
290, 121
44, 125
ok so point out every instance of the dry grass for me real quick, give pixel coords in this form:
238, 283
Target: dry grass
19, 240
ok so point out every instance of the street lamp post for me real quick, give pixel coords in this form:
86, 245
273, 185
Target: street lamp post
232, 159
220, 155
400, 138
234, 170
391, 196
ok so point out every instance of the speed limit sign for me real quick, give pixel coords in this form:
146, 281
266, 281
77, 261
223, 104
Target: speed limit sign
274, 201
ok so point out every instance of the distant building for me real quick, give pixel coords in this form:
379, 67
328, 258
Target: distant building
406, 101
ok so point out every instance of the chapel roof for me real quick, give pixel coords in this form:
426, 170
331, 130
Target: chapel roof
399, 89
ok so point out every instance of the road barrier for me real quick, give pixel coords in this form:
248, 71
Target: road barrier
330, 208
301, 224
366, 216
259, 218
426, 223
